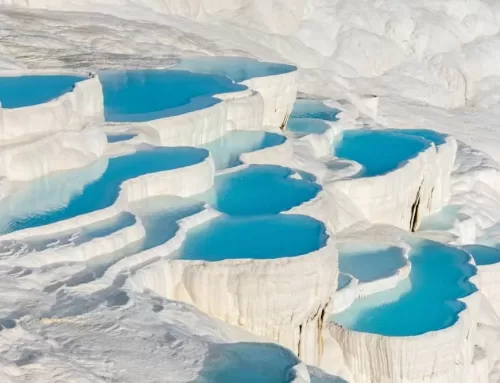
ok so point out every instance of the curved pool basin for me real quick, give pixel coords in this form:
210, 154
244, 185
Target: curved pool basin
112, 137
483, 255
343, 280
314, 109
427, 134
303, 126
142, 95
265, 237
99, 193
29, 90
237, 69
226, 150
370, 264
259, 189
438, 278
379, 151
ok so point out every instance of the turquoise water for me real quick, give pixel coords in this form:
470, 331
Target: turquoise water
313, 109
378, 151
259, 189
483, 255
237, 69
103, 191
369, 265
141, 95
119, 137
265, 237
439, 276
247, 363
305, 126
21, 91
226, 150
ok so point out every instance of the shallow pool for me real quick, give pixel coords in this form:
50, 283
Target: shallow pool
378, 151
343, 280
430, 135
28, 90
439, 276
313, 109
265, 237
367, 265
142, 95
82, 234
159, 216
98, 194
226, 150
442, 220
483, 255
259, 189
303, 126
237, 69
112, 137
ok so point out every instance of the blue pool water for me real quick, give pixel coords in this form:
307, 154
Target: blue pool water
259, 189
369, 265
227, 149
267, 237
103, 191
439, 276
483, 255
141, 95
119, 137
21, 91
303, 126
313, 109
237, 69
378, 151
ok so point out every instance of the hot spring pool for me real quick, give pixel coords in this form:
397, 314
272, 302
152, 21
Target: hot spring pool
226, 150
303, 126
28, 90
142, 95
483, 255
100, 192
379, 151
267, 237
313, 109
370, 264
112, 137
438, 277
259, 189
237, 69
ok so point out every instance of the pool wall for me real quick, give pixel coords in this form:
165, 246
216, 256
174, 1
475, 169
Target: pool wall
86, 251
287, 305
264, 106
355, 289
402, 197
59, 151
489, 283
182, 182
71, 111
438, 356
279, 93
